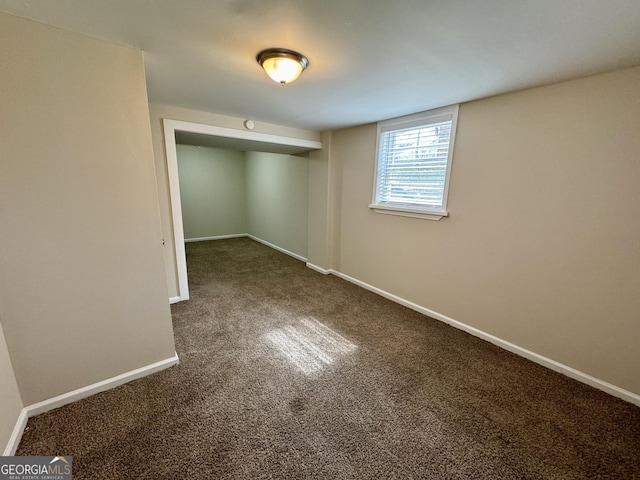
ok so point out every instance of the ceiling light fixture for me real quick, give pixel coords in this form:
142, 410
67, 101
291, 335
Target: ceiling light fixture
282, 65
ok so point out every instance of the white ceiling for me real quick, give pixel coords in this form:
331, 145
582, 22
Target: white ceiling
370, 59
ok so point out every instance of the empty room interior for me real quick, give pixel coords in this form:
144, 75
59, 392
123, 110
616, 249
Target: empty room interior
417, 256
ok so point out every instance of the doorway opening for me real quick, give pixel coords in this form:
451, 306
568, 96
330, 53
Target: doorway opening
177, 131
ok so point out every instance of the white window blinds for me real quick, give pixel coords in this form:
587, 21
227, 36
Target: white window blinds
413, 162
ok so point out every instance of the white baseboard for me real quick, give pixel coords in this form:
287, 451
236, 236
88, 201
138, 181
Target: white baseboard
173, 300
109, 383
16, 435
218, 237
319, 269
523, 352
275, 247
79, 394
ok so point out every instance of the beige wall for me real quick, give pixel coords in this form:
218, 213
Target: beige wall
225, 192
321, 205
212, 191
541, 248
10, 400
82, 283
159, 112
277, 192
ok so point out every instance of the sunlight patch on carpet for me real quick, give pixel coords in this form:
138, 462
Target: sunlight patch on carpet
310, 345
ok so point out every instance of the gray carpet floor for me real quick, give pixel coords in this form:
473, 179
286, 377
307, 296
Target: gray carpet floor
285, 373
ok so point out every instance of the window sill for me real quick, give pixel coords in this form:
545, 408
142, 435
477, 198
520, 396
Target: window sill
409, 212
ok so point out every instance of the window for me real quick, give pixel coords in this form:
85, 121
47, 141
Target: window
413, 164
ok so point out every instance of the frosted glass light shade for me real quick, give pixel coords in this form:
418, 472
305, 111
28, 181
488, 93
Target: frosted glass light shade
283, 66
282, 70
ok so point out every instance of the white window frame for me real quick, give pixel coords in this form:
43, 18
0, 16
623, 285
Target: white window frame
424, 118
